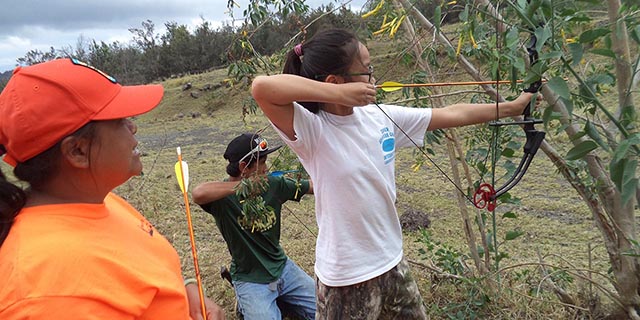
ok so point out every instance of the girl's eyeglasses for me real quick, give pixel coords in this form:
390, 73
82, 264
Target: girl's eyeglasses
370, 74
262, 146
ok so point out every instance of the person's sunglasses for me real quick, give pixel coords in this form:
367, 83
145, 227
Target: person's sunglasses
262, 146
370, 74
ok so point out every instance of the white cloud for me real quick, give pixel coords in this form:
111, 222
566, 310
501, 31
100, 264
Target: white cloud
41, 24
13, 41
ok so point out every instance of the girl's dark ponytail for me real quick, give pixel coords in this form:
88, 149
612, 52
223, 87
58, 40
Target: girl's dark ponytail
293, 63
329, 51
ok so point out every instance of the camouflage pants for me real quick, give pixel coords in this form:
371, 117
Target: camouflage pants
392, 295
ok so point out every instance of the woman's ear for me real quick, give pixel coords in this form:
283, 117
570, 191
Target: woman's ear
334, 79
76, 151
242, 166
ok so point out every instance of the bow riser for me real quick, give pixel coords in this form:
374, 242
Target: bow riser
486, 195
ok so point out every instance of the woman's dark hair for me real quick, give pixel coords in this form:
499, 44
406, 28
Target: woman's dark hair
329, 51
36, 171
12, 199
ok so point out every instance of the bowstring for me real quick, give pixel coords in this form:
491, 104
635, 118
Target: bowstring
494, 137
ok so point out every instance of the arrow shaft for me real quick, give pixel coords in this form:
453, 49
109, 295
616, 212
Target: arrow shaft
443, 84
192, 239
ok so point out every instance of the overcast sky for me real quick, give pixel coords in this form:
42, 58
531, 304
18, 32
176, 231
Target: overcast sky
40, 24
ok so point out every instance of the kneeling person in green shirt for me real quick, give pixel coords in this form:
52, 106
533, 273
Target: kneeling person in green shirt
263, 277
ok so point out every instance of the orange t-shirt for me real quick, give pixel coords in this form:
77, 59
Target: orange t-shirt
89, 261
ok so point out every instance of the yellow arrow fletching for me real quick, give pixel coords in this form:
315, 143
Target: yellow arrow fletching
182, 180
390, 86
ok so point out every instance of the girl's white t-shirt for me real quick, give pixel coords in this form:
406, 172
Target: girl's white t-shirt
351, 162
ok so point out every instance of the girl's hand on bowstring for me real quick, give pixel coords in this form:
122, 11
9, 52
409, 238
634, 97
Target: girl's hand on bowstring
357, 94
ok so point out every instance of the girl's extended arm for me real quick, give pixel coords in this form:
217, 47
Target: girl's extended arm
463, 114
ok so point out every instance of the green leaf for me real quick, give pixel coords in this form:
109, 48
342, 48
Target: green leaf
627, 115
512, 38
581, 150
623, 175
510, 215
513, 145
437, 14
580, 18
514, 71
542, 34
594, 134
513, 235
559, 86
576, 52
578, 135
551, 55
635, 34
547, 115
569, 105
508, 152
623, 147
604, 52
602, 78
593, 34
616, 171
464, 14
507, 198
531, 8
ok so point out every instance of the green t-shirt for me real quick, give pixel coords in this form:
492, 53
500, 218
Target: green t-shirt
256, 256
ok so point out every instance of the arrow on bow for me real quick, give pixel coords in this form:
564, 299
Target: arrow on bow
390, 86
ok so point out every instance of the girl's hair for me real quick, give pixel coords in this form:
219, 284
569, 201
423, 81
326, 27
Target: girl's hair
36, 172
329, 51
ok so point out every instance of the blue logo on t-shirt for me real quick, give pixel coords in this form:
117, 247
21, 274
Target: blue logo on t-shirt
388, 144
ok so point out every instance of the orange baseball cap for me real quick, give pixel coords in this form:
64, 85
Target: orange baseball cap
44, 103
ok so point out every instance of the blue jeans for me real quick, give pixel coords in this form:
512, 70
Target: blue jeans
295, 291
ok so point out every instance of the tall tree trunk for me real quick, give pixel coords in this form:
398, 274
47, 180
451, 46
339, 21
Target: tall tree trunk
625, 268
614, 220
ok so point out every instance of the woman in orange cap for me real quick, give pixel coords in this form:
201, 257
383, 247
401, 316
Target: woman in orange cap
69, 248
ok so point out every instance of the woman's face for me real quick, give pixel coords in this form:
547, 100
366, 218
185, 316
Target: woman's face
114, 156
